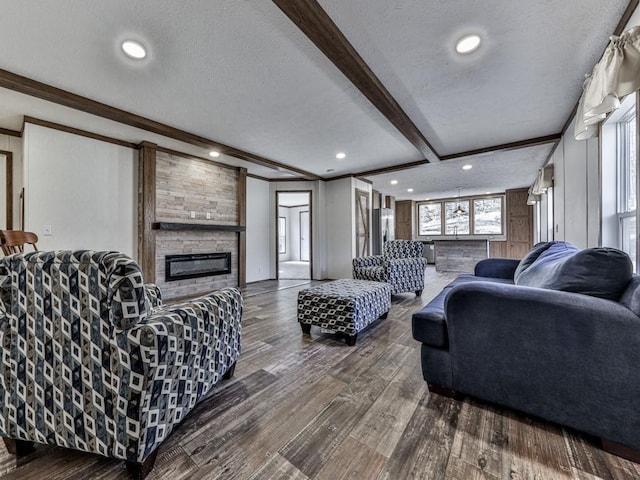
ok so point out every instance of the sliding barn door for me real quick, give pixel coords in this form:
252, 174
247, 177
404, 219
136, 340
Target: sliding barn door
362, 223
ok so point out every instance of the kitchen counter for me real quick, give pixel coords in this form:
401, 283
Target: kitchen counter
460, 255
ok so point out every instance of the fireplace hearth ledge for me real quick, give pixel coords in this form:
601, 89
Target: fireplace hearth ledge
175, 226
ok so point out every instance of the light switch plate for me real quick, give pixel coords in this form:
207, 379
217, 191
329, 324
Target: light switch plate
208, 215
192, 214
47, 230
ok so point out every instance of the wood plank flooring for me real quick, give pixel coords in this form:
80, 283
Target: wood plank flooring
303, 407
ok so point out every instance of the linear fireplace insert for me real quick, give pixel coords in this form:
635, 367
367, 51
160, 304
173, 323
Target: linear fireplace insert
194, 265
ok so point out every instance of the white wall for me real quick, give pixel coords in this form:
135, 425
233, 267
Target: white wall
581, 216
259, 220
341, 224
84, 188
576, 191
340, 228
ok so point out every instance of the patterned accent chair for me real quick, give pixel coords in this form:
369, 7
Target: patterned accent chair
92, 360
401, 265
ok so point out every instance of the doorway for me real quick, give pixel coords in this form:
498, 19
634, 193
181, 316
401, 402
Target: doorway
294, 235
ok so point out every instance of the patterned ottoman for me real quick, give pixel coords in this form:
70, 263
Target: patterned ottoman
343, 306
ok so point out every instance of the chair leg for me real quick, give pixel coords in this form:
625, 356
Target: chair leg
306, 328
18, 447
351, 339
137, 470
229, 373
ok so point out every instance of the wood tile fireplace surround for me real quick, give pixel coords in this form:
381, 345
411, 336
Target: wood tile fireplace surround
171, 186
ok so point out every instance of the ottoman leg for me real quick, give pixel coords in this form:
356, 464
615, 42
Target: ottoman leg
384, 315
230, 371
418, 293
18, 447
306, 328
351, 339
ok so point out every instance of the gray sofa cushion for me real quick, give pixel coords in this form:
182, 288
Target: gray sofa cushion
599, 272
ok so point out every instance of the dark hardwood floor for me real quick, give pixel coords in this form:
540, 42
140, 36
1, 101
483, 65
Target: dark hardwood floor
303, 407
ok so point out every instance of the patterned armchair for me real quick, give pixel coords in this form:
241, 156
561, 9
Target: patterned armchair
92, 360
401, 265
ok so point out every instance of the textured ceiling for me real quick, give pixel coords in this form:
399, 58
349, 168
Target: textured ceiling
522, 83
490, 173
241, 73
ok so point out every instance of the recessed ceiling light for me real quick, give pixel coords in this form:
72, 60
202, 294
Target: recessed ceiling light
409, 190
467, 167
341, 155
133, 49
468, 44
393, 182
214, 154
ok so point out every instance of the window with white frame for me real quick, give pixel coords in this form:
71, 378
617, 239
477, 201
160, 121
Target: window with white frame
429, 219
487, 216
482, 215
456, 217
626, 144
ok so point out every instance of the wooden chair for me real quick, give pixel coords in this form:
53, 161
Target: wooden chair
13, 241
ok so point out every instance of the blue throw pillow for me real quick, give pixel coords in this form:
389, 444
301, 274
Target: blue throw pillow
599, 272
530, 257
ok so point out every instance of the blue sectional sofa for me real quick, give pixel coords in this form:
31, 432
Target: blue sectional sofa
556, 335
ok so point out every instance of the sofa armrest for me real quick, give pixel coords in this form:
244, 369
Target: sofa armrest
562, 356
496, 268
169, 361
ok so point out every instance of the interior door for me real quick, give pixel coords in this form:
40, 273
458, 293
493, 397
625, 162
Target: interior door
304, 236
362, 223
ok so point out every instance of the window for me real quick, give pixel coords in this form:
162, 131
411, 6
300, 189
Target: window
456, 223
282, 235
430, 219
481, 215
487, 216
626, 144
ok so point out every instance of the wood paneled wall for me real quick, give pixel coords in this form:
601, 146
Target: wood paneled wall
519, 225
404, 219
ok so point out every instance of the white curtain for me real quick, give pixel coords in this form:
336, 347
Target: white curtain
616, 74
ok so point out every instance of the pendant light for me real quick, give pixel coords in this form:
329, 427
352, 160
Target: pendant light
459, 210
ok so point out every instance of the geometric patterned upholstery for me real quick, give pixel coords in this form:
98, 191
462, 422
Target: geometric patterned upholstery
345, 306
92, 360
402, 266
